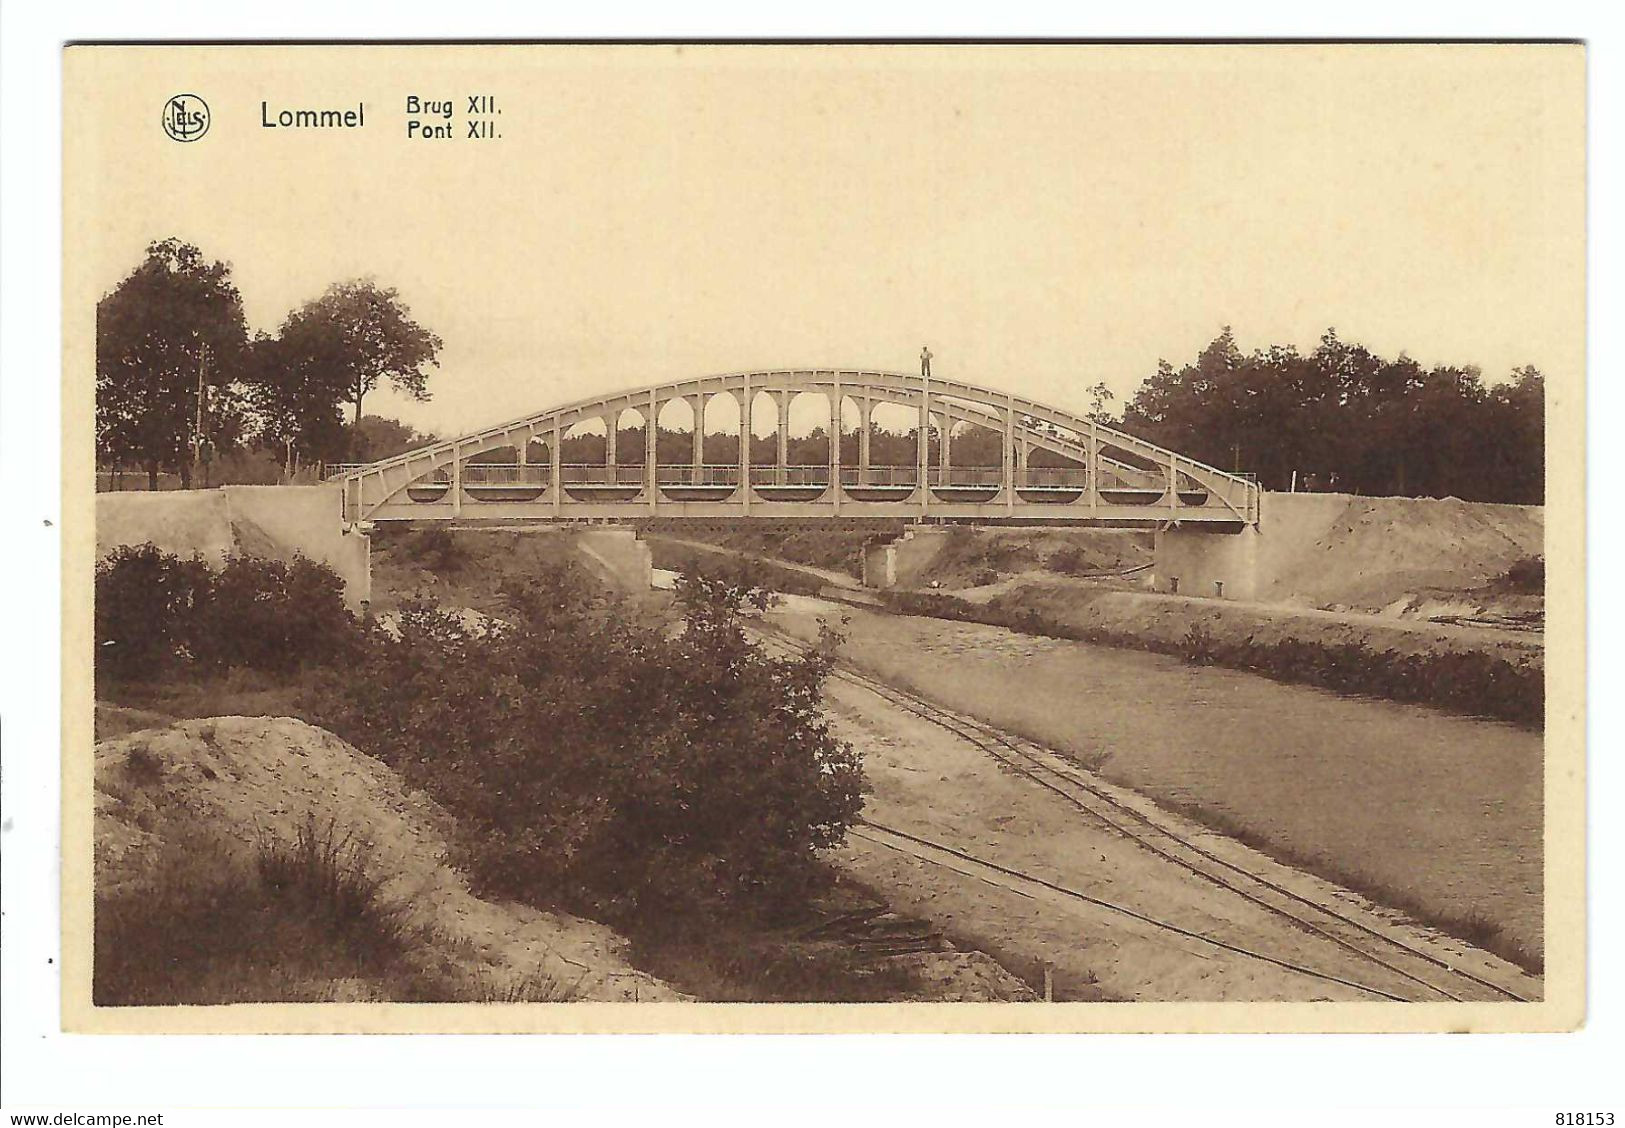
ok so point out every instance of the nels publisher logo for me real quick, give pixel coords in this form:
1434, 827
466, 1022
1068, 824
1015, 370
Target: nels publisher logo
186, 117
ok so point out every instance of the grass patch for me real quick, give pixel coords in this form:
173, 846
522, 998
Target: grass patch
297, 920
155, 702
742, 967
203, 928
326, 876
757, 959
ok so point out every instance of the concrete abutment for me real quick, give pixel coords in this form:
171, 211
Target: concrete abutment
276, 522
1213, 565
616, 556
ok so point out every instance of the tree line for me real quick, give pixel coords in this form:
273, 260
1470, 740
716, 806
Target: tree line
1344, 418
181, 382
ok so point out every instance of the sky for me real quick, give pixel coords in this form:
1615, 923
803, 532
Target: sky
1044, 218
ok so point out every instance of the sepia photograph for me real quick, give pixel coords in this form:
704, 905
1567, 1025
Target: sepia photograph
907, 537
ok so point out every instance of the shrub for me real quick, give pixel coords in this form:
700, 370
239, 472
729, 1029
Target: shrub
1527, 574
270, 615
1068, 561
145, 605
598, 762
437, 549
154, 609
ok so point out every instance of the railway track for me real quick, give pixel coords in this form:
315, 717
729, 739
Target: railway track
1412, 974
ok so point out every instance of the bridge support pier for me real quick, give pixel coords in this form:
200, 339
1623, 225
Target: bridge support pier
617, 556
1212, 565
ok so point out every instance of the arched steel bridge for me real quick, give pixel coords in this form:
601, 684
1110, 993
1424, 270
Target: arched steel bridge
1109, 478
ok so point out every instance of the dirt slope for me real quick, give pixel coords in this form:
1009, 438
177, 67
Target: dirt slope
974, 557
239, 779
1367, 553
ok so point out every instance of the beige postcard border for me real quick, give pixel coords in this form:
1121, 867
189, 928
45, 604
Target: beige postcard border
1565, 916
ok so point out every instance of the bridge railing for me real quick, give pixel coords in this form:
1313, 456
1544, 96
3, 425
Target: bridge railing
686, 474
789, 475
1036, 476
504, 474
879, 475
571, 474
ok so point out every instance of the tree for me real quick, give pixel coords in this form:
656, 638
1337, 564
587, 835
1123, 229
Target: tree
1344, 418
295, 399
176, 322
1099, 397
374, 437
357, 334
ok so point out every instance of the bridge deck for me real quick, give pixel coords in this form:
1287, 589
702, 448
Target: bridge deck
993, 511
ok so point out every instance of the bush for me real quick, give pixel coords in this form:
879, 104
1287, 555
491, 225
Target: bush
154, 609
1198, 647
1068, 561
1527, 574
145, 607
269, 615
437, 549
202, 928
620, 768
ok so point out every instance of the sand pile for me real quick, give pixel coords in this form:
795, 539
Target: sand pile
237, 780
1377, 551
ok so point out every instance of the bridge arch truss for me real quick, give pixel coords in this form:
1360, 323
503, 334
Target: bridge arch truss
1108, 476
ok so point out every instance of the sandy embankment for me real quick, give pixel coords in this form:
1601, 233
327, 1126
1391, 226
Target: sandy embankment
236, 780
1386, 573
1168, 618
